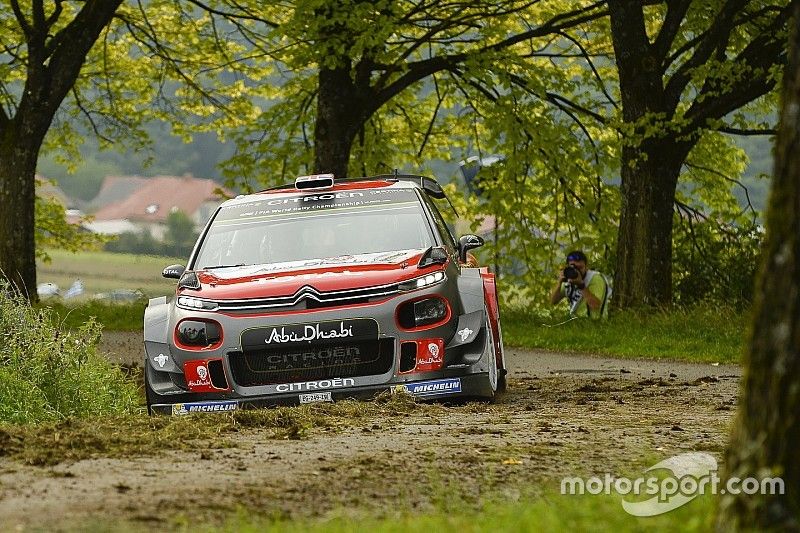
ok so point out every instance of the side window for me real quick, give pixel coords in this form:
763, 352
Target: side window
441, 225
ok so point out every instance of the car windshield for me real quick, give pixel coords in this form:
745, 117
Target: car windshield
315, 226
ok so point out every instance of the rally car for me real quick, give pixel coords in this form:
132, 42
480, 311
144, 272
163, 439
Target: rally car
321, 290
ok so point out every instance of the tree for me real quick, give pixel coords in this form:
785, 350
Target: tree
56, 85
682, 70
767, 433
382, 83
56, 41
351, 63
180, 235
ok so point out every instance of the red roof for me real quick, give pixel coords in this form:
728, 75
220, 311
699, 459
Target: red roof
159, 196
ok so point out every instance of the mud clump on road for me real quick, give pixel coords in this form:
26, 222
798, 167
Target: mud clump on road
562, 416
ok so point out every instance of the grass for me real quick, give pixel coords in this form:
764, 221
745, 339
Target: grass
548, 513
48, 372
137, 434
699, 334
105, 271
113, 317
551, 512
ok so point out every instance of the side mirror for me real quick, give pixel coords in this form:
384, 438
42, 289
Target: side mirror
173, 271
466, 243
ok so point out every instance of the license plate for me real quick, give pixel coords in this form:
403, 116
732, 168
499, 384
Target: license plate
315, 397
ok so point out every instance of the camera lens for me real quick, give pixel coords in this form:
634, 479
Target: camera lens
570, 272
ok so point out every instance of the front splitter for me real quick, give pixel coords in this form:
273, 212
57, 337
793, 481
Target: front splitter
470, 386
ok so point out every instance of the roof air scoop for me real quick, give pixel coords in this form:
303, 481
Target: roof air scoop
315, 182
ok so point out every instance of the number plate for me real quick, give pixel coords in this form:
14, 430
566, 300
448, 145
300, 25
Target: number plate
316, 397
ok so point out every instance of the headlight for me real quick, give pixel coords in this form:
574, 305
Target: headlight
423, 312
188, 302
198, 333
422, 281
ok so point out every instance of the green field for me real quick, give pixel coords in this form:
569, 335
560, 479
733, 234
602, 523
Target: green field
105, 271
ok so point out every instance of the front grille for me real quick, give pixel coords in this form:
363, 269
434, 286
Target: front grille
284, 364
308, 297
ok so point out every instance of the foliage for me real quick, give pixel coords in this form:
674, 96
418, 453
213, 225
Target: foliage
53, 231
707, 333
547, 102
111, 316
180, 235
50, 373
715, 262
133, 242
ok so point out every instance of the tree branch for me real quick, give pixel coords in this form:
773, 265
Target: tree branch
21, 20
676, 12
758, 56
418, 70
715, 37
748, 132
231, 16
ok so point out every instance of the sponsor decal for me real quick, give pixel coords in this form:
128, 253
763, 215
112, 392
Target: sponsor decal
464, 333
433, 387
315, 397
332, 355
326, 356
327, 332
315, 385
433, 349
204, 407
197, 376
430, 355
310, 333
203, 378
161, 359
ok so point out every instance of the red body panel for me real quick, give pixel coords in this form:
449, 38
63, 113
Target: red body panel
198, 377
324, 278
490, 295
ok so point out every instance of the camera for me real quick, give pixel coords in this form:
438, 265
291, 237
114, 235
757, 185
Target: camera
570, 272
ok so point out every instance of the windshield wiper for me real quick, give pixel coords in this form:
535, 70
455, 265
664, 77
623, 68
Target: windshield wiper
223, 266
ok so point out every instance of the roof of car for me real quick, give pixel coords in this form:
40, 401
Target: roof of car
394, 181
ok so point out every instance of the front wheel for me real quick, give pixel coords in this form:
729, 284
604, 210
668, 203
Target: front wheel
494, 378
502, 384
150, 395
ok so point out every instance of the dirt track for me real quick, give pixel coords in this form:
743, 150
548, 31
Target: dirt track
563, 415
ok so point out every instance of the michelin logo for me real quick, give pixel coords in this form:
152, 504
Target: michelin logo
203, 407
437, 386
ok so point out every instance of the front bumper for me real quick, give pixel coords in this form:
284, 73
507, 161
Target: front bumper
438, 388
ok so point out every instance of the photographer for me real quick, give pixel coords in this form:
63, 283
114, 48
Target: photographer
587, 291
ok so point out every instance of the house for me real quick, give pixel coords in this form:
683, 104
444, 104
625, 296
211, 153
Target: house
49, 190
145, 203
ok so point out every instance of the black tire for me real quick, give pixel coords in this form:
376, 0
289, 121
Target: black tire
494, 373
150, 395
502, 371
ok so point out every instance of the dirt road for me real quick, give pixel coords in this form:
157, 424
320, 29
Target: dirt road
563, 415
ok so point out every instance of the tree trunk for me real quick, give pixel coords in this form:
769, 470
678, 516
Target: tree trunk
340, 113
643, 275
766, 439
17, 200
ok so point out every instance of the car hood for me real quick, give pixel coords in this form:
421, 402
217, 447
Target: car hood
331, 274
